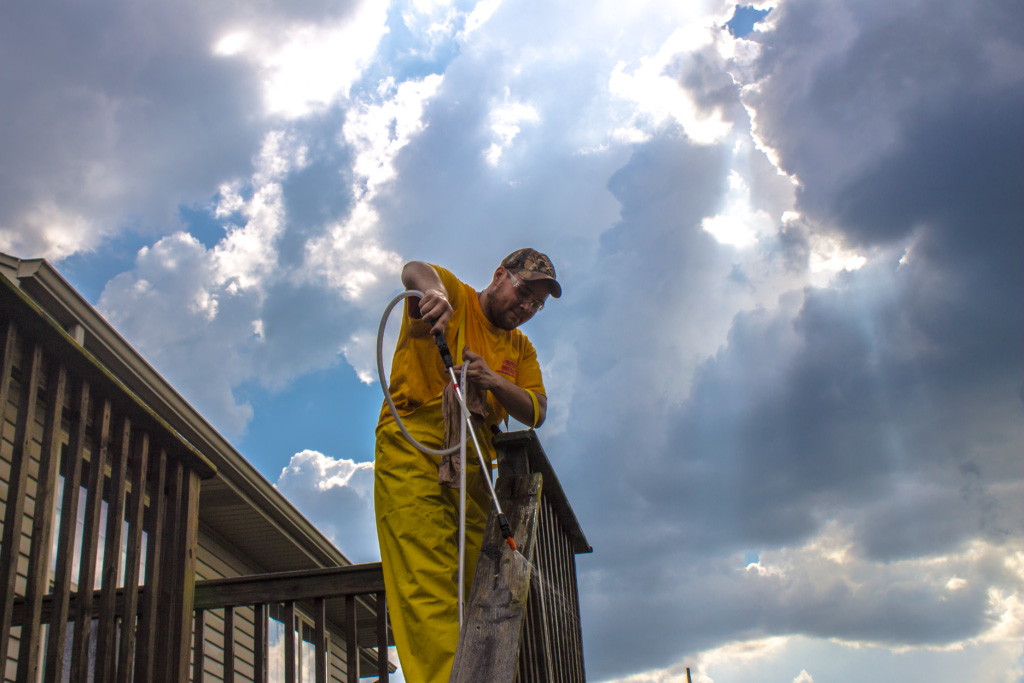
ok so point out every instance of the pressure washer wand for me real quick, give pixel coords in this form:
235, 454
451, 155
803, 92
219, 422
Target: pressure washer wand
446, 357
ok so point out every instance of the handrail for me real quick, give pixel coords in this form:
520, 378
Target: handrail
347, 602
521, 453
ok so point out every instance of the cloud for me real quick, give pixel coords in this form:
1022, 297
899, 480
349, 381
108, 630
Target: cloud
785, 378
150, 102
311, 64
337, 496
881, 398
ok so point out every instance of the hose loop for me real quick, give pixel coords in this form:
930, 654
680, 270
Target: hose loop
383, 383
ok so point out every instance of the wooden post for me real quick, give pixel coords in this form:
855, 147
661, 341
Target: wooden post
260, 623
229, 645
351, 639
322, 645
496, 610
167, 650
145, 655
14, 513
74, 463
90, 541
382, 638
140, 470
106, 639
42, 526
199, 647
289, 643
185, 574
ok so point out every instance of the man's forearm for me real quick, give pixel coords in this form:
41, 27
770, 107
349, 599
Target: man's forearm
512, 397
518, 403
422, 276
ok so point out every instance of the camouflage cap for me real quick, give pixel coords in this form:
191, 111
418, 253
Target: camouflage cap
531, 265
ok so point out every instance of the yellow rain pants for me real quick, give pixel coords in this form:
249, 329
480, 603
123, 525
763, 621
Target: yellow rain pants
418, 528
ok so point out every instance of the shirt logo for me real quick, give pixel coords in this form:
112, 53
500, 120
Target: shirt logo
508, 367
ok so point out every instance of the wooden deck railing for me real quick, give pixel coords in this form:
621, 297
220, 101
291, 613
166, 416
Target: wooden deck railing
74, 439
523, 621
343, 605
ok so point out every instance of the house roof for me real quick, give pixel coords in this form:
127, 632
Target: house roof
238, 503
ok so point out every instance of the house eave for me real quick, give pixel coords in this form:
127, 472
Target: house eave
65, 305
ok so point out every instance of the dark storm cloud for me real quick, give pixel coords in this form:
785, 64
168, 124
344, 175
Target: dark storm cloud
882, 410
933, 96
845, 410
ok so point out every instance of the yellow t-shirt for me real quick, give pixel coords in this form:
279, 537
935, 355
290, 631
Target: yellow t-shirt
417, 373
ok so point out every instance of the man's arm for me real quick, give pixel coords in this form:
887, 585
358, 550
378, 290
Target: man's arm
514, 399
434, 307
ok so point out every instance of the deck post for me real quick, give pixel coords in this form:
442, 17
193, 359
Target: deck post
496, 610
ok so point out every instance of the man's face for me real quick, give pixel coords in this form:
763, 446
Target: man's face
513, 301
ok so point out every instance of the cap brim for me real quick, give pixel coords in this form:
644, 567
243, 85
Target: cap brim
534, 276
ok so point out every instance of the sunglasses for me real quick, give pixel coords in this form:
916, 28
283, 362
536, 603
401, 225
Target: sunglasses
532, 305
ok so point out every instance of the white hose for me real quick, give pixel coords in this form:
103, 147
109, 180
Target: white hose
384, 385
441, 452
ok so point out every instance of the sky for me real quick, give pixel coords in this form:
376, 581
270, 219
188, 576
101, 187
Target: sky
785, 379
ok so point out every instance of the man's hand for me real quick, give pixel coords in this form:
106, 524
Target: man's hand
435, 310
433, 307
515, 400
478, 373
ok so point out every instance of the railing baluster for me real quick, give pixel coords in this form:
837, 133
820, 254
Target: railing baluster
556, 625
229, 645
320, 639
351, 639
90, 541
42, 526
74, 463
576, 631
260, 643
185, 574
107, 629
552, 641
382, 638
14, 512
166, 656
140, 470
289, 642
145, 652
199, 646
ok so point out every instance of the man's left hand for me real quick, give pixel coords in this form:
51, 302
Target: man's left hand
478, 373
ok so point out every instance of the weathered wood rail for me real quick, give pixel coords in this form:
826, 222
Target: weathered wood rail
75, 440
333, 600
523, 616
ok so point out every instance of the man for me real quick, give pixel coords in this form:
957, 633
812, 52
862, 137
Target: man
417, 517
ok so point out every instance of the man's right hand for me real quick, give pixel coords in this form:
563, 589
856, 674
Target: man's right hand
435, 309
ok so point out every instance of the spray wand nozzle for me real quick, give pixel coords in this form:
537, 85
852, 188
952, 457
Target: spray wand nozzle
446, 357
506, 530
